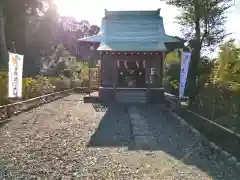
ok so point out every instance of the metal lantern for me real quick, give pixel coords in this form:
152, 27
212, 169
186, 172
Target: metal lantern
91, 48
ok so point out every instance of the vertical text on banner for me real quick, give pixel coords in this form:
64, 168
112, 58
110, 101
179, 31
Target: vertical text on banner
185, 61
15, 71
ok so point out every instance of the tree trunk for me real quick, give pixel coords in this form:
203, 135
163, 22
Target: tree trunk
3, 48
195, 58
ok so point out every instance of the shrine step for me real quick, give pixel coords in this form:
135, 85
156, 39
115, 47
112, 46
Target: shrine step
131, 96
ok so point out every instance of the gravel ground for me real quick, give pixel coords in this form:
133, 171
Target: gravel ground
190, 157
67, 139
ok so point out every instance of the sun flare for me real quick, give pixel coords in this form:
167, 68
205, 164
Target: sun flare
80, 10
65, 7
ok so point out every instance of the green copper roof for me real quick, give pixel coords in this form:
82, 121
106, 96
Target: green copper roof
132, 13
132, 31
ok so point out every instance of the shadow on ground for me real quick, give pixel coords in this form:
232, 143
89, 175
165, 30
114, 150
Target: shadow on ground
2, 124
115, 130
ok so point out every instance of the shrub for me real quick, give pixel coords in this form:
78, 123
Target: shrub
220, 101
30, 87
43, 85
60, 83
40, 85
76, 83
33, 87
3, 88
84, 75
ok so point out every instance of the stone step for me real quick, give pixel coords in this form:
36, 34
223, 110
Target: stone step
131, 93
124, 99
132, 101
131, 96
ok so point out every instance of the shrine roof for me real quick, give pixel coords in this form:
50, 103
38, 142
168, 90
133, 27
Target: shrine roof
132, 31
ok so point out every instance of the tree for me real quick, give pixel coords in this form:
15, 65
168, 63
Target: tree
61, 64
228, 62
70, 30
18, 22
36, 26
55, 64
203, 25
172, 74
3, 49
16, 18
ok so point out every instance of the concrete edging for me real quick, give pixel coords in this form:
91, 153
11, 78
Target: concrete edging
32, 103
229, 158
36, 102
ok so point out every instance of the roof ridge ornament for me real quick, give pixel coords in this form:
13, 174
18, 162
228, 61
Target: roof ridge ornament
158, 10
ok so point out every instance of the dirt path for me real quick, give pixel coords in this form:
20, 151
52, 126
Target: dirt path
67, 139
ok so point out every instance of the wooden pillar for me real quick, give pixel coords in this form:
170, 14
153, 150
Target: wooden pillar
148, 65
101, 69
162, 66
114, 70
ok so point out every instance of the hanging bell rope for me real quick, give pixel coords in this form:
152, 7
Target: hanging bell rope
137, 63
125, 64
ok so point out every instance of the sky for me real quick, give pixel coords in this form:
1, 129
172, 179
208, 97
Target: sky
93, 11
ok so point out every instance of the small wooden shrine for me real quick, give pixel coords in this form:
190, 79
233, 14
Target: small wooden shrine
132, 47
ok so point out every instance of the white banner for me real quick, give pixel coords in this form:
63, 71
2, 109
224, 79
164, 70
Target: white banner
15, 71
185, 61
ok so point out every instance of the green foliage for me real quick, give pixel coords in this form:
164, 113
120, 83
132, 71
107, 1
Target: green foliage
172, 57
84, 75
3, 74
36, 25
210, 14
203, 24
3, 87
30, 88
40, 85
60, 63
220, 101
175, 85
229, 62
60, 83
172, 75
218, 86
64, 69
44, 86
172, 72
33, 87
